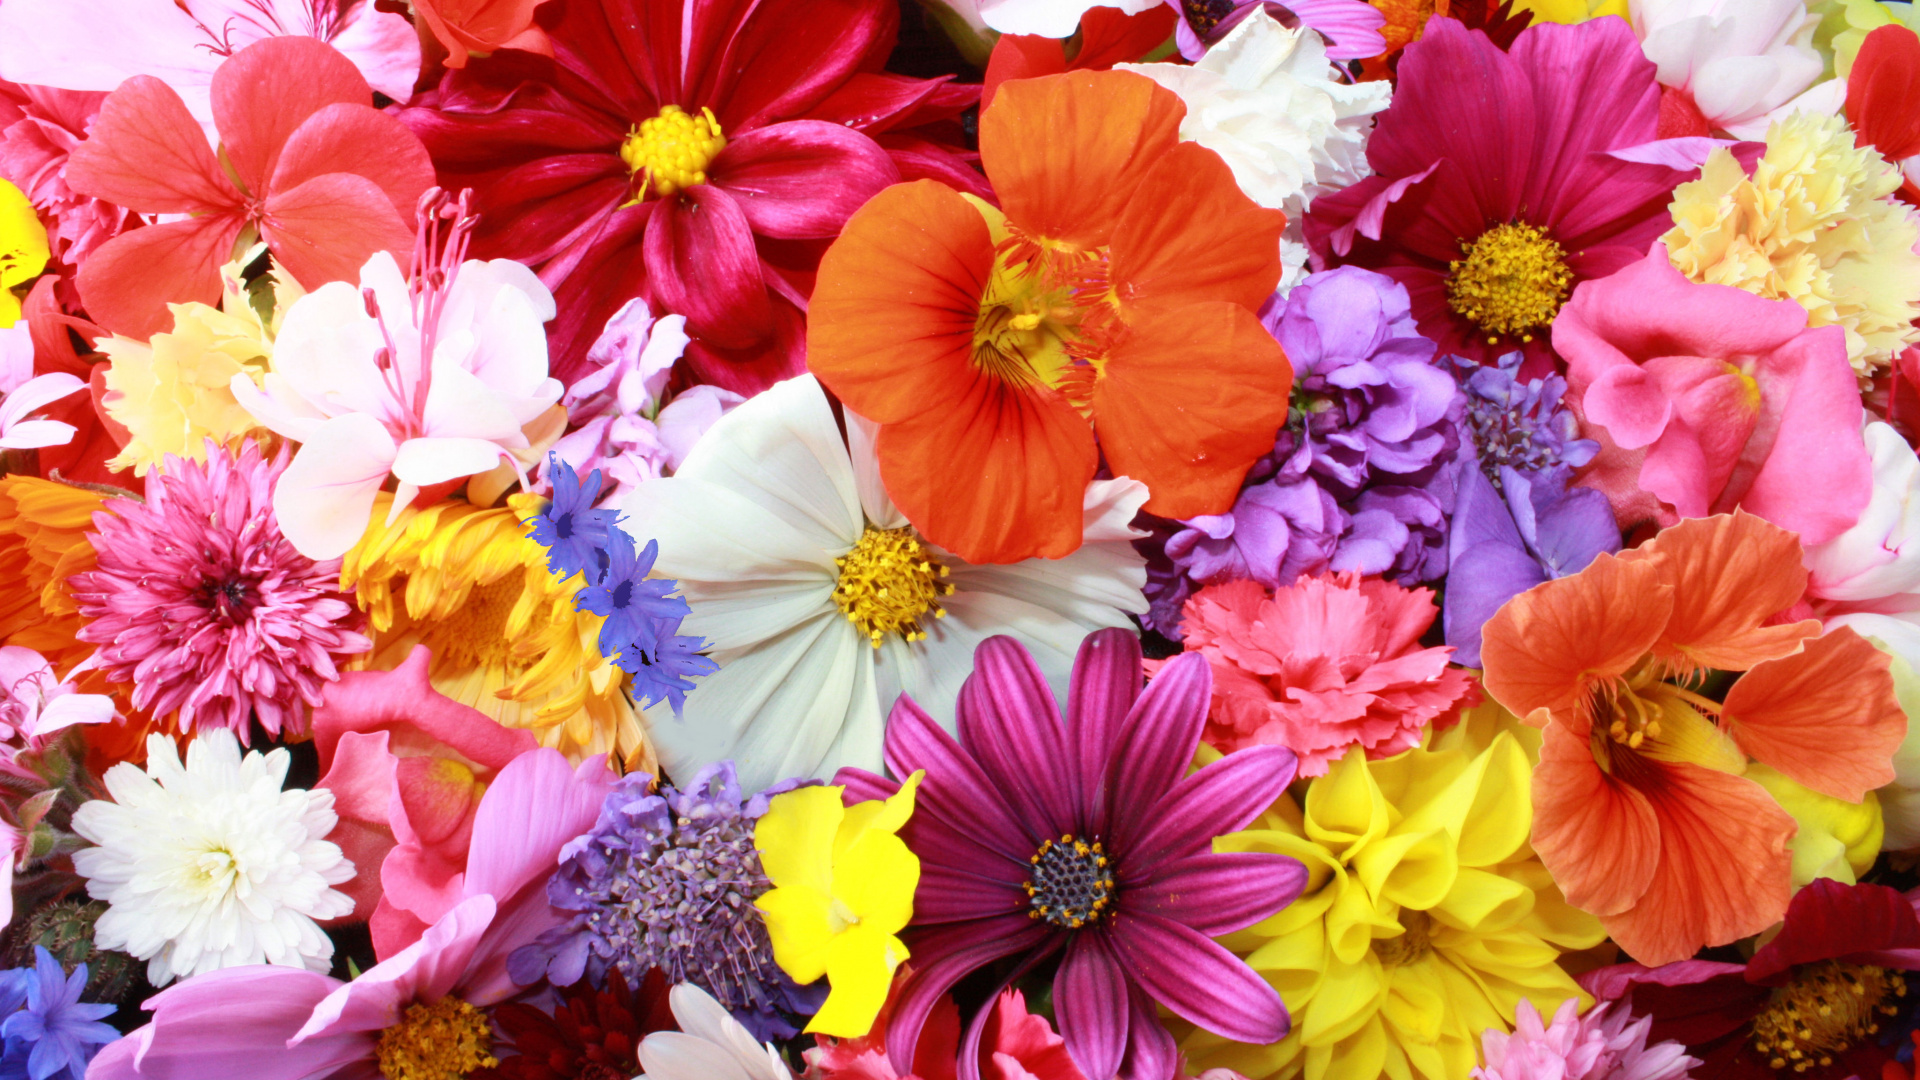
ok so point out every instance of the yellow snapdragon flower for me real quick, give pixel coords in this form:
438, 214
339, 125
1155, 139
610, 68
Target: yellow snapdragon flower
842, 891
23, 249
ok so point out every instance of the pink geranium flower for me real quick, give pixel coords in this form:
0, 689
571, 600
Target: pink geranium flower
1320, 666
326, 179
263, 1022
1706, 397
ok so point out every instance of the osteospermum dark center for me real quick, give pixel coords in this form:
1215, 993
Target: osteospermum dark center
1825, 1010
888, 582
1071, 883
1204, 15
1510, 281
442, 1041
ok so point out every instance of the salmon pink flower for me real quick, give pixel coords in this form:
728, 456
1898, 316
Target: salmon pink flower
697, 156
323, 176
1640, 811
1116, 284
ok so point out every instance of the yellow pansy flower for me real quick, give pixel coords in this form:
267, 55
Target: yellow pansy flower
23, 249
1571, 11
842, 891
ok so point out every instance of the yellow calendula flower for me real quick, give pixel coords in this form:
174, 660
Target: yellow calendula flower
23, 249
1426, 918
1814, 225
172, 393
506, 639
843, 884
1570, 11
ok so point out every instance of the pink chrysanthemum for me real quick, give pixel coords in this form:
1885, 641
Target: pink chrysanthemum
1319, 666
205, 607
1605, 1044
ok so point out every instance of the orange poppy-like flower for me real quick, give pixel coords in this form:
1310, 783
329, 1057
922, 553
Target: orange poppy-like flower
1112, 294
1640, 810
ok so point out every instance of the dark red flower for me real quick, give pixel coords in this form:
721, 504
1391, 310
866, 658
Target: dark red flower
702, 166
590, 1035
1883, 97
1829, 997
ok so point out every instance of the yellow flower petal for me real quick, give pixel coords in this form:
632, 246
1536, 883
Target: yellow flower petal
860, 967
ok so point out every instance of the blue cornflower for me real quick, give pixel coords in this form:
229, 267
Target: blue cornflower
55, 1034
662, 662
626, 598
573, 532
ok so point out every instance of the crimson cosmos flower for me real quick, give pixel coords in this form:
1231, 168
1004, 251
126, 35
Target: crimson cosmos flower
701, 165
1086, 837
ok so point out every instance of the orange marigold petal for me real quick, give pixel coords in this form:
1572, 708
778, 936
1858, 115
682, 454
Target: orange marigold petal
1190, 398
995, 474
1219, 245
890, 325
1597, 836
1724, 871
1730, 573
1066, 152
1548, 647
1825, 716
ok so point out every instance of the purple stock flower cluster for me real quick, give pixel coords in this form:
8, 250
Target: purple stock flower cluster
1360, 479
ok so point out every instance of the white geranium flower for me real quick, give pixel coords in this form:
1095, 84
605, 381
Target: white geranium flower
822, 604
710, 1045
212, 865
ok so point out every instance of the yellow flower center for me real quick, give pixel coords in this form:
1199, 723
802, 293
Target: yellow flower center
1413, 945
887, 582
1511, 281
671, 152
1071, 882
1823, 1011
475, 633
442, 1041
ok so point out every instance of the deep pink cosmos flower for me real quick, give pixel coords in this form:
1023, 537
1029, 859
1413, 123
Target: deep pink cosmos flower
1086, 838
1496, 188
697, 156
203, 606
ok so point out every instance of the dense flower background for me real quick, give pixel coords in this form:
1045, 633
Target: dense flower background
959, 539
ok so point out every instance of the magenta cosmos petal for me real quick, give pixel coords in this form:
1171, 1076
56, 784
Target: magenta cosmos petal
1116, 770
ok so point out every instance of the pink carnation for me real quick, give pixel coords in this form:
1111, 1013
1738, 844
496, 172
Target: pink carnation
1707, 397
1605, 1044
39, 127
1319, 666
205, 608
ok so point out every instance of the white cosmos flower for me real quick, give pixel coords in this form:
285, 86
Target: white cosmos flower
710, 1045
212, 865
752, 525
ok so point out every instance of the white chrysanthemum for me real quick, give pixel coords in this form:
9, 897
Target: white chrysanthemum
212, 865
1267, 100
823, 604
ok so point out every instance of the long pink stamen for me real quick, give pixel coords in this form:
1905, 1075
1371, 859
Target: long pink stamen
437, 256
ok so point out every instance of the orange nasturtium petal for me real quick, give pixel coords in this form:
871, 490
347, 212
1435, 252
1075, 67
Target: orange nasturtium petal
1730, 573
1189, 400
890, 325
1066, 152
1825, 716
1191, 236
1594, 833
1550, 646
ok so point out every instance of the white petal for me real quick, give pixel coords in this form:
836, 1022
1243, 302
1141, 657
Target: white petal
326, 495
33, 434
425, 462
862, 434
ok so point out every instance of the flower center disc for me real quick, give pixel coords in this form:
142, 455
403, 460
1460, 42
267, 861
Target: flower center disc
887, 582
1411, 946
1511, 281
1826, 1009
1071, 882
671, 152
442, 1041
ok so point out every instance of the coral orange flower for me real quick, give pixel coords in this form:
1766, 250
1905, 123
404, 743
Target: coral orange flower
1640, 809
1116, 284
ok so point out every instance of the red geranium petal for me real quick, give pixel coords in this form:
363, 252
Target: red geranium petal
364, 142
128, 281
267, 90
1883, 92
327, 228
147, 153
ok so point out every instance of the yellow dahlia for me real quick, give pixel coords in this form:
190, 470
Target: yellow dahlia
1814, 224
1426, 919
471, 586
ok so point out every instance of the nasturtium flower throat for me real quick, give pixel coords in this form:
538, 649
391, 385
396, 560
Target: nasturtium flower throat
888, 582
442, 1041
1825, 1010
671, 152
1071, 882
1511, 281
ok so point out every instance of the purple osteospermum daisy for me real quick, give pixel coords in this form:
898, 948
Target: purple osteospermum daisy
1085, 836
203, 605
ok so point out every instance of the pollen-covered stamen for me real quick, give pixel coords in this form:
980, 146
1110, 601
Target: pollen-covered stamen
670, 152
1204, 15
888, 582
1511, 280
442, 1041
1823, 1012
1071, 883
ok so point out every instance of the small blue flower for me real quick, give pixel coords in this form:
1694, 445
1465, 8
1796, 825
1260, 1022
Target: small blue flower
573, 532
662, 663
627, 598
57, 1034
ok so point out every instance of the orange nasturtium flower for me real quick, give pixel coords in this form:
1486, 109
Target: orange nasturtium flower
1111, 294
1640, 809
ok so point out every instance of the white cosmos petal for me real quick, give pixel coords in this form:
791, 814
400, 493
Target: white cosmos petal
943, 661
33, 434
874, 500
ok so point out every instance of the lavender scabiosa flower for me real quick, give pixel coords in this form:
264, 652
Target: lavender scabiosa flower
668, 881
205, 607
1359, 480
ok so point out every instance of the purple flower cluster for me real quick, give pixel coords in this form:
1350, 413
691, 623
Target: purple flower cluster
1361, 477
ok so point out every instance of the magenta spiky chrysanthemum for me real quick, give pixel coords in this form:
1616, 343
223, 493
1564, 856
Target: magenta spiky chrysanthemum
205, 607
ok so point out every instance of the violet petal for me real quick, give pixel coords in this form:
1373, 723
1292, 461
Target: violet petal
1199, 980
1090, 1000
1217, 893
1221, 798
